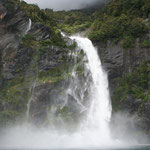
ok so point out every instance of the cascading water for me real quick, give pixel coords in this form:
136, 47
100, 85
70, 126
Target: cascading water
28, 26
99, 113
32, 88
30, 100
93, 131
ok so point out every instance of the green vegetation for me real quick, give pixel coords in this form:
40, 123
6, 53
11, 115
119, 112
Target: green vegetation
29, 41
121, 20
73, 21
56, 74
14, 96
7, 115
64, 112
74, 28
45, 17
128, 42
10, 5
38, 15
145, 44
73, 46
135, 83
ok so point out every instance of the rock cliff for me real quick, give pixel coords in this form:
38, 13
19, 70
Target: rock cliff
36, 63
34, 70
129, 76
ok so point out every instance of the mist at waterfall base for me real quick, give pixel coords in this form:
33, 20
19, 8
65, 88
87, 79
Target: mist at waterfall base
95, 130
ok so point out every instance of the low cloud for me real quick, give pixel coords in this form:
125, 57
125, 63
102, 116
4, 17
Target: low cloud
63, 4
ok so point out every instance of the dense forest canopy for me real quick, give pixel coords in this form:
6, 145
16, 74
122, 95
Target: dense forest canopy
119, 20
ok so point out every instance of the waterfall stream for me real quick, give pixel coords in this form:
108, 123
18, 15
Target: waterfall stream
99, 114
30, 100
93, 132
28, 26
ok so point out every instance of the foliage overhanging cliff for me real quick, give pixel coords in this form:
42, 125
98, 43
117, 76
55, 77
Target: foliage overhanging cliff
119, 20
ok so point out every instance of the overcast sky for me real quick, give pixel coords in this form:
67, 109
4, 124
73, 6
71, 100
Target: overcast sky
62, 4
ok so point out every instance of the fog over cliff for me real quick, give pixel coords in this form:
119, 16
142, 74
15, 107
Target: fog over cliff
64, 4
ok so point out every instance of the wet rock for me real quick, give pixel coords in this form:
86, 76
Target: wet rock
21, 64
50, 59
3, 11
40, 32
131, 104
118, 63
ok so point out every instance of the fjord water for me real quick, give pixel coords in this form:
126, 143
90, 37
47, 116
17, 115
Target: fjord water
94, 131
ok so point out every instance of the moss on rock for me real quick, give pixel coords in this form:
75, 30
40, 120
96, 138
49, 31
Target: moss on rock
136, 84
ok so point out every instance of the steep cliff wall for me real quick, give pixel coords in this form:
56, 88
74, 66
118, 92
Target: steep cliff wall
36, 61
35, 66
129, 76
121, 32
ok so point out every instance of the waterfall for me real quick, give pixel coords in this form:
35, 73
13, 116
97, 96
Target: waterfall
99, 114
30, 100
28, 26
33, 86
93, 131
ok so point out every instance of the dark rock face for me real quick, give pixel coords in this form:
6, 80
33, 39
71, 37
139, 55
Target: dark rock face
15, 60
40, 32
36, 71
51, 58
21, 66
11, 29
112, 59
3, 11
119, 62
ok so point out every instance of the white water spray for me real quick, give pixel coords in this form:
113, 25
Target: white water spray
99, 115
28, 26
94, 130
30, 100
